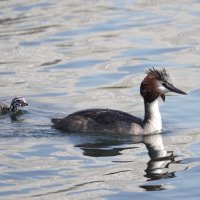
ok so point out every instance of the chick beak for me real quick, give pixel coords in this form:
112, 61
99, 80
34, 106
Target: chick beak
24, 104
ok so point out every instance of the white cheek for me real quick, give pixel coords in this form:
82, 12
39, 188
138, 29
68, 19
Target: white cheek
162, 89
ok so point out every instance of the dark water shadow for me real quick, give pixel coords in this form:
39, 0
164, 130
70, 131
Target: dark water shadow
27, 123
158, 166
113, 145
18, 116
104, 145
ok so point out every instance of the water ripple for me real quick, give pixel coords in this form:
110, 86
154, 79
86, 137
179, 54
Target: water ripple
63, 56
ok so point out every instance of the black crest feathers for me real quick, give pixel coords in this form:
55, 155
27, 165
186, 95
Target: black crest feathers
159, 74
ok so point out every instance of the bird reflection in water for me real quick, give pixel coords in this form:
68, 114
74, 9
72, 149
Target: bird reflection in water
17, 117
160, 159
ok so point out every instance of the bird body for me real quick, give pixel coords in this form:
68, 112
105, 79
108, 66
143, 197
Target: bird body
13, 108
156, 84
102, 120
4, 108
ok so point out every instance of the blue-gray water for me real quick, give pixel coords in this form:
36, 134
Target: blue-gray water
63, 56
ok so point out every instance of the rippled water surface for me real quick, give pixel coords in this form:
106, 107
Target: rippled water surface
63, 56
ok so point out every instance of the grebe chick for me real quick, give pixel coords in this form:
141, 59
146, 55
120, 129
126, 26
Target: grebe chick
156, 84
13, 108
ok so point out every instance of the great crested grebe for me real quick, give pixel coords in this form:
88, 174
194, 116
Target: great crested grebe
156, 84
13, 108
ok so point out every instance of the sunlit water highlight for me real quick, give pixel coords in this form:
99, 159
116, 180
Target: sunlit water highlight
63, 56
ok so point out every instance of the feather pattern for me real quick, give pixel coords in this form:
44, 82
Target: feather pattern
156, 84
149, 87
159, 74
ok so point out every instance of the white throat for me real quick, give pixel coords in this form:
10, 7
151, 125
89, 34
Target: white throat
152, 118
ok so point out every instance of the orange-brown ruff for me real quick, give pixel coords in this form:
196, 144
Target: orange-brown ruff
149, 89
156, 84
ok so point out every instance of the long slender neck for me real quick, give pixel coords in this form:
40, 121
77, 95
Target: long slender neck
13, 108
152, 119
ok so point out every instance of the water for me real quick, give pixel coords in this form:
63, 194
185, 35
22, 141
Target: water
63, 56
